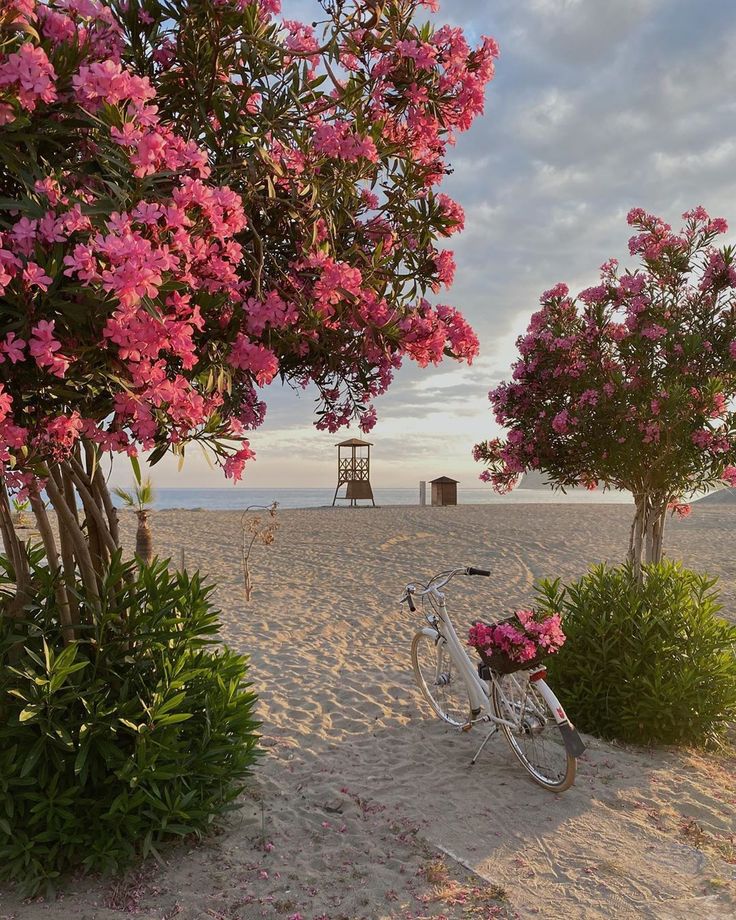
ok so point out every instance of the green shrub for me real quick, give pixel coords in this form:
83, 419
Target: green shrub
140, 731
648, 662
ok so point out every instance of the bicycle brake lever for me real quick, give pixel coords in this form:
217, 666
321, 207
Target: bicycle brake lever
406, 599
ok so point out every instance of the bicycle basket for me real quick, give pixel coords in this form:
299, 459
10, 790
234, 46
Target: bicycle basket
500, 662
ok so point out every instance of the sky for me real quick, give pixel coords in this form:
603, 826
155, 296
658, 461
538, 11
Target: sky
597, 106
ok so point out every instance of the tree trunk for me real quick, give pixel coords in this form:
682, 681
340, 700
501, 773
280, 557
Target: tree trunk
80, 551
17, 556
52, 556
647, 530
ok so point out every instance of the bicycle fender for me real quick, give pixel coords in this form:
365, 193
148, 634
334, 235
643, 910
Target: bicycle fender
430, 633
573, 742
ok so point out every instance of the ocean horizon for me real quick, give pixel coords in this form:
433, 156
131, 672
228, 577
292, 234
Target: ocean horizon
238, 498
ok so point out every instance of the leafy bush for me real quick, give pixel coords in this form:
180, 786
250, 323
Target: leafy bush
138, 732
644, 662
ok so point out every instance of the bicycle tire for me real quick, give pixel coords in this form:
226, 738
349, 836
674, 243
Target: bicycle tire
449, 701
547, 761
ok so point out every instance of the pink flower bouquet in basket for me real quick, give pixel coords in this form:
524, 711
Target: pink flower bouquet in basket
518, 642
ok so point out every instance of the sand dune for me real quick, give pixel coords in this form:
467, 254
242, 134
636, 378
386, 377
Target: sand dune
364, 806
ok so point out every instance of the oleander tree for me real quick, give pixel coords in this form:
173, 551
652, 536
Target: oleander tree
631, 385
199, 198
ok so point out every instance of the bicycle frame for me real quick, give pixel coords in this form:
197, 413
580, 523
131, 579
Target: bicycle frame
479, 691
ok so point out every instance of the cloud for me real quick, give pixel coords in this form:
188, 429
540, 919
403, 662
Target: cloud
580, 31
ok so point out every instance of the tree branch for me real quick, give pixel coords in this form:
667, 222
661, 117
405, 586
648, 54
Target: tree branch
68, 519
52, 555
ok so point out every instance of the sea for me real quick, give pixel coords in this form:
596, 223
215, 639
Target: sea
239, 498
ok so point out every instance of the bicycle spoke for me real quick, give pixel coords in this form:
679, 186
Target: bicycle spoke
535, 740
439, 680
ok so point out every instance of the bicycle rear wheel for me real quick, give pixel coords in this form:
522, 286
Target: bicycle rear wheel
536, 741
439, 680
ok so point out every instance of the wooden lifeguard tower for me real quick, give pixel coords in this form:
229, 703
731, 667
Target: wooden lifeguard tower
354, 471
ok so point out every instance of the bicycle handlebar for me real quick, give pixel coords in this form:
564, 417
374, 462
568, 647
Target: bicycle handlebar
436, 582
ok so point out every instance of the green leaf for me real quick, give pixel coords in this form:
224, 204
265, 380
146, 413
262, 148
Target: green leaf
29, 713
33, 757
172, 718
135, 464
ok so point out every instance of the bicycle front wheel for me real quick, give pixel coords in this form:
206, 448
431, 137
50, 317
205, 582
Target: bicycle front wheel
535, 738
439, 679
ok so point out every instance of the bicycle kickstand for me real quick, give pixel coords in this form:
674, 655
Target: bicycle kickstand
485, 741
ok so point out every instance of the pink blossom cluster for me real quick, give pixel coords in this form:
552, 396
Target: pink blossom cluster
423, 54
266, 7
426, 332
107, 82
30, 74
522, 637
300, 38
343, 142
452, 212
27, 76
412, 69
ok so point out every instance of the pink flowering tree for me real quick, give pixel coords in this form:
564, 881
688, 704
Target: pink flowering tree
631, 385
198, 198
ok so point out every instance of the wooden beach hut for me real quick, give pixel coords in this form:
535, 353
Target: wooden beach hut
444, 491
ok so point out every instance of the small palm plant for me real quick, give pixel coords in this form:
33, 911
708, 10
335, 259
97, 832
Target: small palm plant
20, 508
139, 498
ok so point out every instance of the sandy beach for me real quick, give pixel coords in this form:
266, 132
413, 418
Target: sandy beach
363, 805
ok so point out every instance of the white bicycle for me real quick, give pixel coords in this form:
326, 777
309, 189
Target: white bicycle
520, 704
